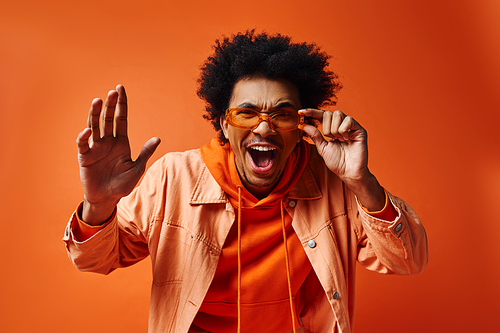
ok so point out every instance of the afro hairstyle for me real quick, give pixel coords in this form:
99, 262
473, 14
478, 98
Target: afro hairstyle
248, 54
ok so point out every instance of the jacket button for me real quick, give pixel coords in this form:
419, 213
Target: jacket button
398, 227
336, 295
312, 244
292, 203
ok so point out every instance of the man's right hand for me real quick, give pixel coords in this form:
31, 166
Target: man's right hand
107, 171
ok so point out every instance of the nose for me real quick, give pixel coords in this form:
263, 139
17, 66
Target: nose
264, 129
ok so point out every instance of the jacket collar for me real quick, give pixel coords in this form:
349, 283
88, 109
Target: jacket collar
206, 190
306, 187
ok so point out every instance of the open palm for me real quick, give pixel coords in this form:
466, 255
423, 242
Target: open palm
107, 171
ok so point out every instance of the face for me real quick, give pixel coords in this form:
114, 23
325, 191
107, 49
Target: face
261, 154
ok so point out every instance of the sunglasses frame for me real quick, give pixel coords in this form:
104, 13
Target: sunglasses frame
264, 117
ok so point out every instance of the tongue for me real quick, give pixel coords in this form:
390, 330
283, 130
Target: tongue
262, 158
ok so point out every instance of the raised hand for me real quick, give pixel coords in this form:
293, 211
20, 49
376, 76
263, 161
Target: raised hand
345, 153
107, 171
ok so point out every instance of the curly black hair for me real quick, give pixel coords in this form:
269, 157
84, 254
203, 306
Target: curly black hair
272, 56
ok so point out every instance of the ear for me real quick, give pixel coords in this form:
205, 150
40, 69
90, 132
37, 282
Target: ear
223, 125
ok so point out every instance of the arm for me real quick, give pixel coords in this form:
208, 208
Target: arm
124, 239
107, 173
397, 245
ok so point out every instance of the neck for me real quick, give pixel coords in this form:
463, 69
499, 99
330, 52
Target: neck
260, 192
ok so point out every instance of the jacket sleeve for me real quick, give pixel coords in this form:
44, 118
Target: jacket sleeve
124, 240
392, 247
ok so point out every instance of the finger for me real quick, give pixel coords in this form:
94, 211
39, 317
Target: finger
108, 114
313, 113
348, 126
146, 152
93, 120
337, 119
327, 123
121, 112
82, 141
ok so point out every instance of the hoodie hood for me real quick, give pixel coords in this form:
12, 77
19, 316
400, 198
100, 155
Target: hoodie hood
219, 160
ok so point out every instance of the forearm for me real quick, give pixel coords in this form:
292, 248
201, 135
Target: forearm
103, 248
399, 246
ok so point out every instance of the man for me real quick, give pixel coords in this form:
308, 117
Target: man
257, 231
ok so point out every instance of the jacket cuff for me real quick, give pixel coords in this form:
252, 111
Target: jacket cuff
387, 214
83, 231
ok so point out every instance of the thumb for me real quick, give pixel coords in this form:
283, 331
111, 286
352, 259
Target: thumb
315, 135
147, 151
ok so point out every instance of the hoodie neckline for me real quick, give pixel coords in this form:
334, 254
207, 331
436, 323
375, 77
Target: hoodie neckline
220, 161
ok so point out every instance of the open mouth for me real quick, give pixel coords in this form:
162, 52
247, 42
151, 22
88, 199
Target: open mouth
262, 157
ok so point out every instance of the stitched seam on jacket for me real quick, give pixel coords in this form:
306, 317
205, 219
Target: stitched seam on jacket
163, 283
160, 188
211, 247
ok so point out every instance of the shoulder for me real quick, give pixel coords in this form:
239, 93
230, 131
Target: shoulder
173, 170
189, 161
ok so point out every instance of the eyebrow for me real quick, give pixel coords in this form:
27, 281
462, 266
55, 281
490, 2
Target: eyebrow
247, 105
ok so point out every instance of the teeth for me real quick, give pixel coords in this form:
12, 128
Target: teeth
262, 148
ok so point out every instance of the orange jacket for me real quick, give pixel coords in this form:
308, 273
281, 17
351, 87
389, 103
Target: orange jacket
180, 216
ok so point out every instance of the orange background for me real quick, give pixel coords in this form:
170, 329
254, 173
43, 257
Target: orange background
422, 78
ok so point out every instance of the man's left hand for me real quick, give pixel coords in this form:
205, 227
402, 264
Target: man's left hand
345, 153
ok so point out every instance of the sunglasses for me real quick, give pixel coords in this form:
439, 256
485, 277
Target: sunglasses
285, 119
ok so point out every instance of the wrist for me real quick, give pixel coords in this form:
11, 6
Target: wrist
369, 192
96, 214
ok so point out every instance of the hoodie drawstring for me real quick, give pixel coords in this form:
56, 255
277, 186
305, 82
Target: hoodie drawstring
287, 261
239, 259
